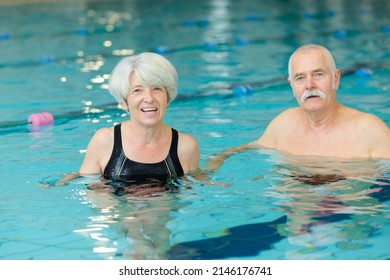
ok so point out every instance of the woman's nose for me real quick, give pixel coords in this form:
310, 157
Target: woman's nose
147, 94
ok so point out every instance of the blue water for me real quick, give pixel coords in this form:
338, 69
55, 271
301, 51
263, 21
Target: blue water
56, 58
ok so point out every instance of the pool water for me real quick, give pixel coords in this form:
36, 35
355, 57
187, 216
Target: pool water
56, 57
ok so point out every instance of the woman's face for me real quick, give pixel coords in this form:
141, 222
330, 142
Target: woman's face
146, 104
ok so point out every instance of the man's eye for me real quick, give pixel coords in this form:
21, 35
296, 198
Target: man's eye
319, 75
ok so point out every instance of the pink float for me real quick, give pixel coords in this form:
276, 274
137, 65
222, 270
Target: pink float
39, 119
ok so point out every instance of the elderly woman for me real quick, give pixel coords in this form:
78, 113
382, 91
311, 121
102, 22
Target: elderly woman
142, 149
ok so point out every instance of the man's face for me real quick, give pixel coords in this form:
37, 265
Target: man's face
313, 83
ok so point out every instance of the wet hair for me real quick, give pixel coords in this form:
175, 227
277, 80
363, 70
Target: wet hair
150, 69
307, 48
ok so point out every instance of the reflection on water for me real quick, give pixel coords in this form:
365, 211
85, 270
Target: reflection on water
139, 216
331, 202
273, 215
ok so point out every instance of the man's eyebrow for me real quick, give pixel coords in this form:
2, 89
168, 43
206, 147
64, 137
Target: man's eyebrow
313, 71
299, 74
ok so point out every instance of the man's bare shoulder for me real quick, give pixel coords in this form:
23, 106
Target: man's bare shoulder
279, 126
367, 121
286, 117
373, 132
374, 124
378, 134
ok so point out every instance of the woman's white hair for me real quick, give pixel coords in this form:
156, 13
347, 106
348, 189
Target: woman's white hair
150, 69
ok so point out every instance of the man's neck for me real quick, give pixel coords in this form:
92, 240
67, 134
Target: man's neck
321, 120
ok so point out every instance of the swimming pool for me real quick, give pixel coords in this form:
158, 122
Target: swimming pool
56, 57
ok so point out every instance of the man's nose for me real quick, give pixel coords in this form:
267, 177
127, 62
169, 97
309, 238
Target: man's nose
310, 83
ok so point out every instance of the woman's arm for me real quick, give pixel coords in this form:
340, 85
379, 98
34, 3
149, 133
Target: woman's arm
188, 152
98, 152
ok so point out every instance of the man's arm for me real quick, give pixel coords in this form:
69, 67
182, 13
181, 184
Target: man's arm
215, 161
266, 140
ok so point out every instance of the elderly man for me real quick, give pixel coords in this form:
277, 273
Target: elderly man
320, 126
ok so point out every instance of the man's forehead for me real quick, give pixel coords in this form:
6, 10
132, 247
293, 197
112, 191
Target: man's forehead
308, 62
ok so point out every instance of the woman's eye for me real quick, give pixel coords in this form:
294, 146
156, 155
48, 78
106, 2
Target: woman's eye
157, 89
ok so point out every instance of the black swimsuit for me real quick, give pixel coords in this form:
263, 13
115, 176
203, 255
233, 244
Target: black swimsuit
122, 169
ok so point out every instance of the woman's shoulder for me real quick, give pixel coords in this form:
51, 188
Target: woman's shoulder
187, 144
103, 136
187, 139
188, 152
105, 131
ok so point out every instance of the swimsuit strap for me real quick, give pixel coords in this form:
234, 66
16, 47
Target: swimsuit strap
118, 136
171, 168
173, 158
122, 157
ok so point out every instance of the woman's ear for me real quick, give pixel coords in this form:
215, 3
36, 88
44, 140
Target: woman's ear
124, 106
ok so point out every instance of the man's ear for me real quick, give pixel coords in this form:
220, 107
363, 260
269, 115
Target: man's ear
336, 79
289, 81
